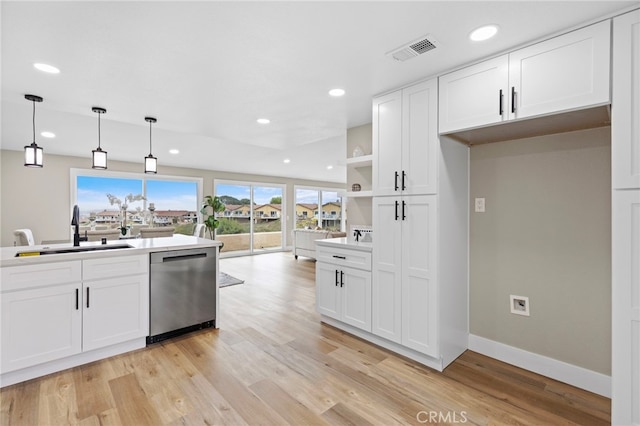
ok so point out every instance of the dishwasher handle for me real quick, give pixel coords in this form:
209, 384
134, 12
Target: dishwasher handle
180, 255
183, 257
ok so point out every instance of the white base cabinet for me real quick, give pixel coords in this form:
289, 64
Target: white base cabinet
56, 315
344, 292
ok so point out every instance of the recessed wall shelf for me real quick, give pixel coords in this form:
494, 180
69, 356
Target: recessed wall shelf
359, 194
362, 161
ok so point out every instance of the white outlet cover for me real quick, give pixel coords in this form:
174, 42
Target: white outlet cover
519, 305
479, 205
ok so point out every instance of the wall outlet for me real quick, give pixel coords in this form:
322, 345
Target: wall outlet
479, 204
519, 305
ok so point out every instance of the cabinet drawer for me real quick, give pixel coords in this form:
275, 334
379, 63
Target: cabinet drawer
40, 275
107, 267
344, 257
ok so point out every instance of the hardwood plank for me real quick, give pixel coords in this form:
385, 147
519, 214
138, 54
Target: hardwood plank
340, 414
289, 408
133, 406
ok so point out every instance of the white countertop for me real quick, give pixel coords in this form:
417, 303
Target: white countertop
345, 243
140, 246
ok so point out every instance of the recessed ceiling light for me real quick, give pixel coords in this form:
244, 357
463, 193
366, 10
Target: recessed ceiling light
46, 68
336, 92
483, 33
329, 167
174, 151
48, 134
263, 120
286, 161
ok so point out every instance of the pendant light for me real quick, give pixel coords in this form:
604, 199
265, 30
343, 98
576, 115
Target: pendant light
99, 156
150, 162
33, 153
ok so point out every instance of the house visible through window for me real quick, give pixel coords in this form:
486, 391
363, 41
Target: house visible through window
318, 208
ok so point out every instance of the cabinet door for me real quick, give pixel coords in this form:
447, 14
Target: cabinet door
419, 288
419, 138
386, 285
566, 72
625, 374
40, 325
387, 144
474, 96
355, 286
328, 290
115, 310
625, 129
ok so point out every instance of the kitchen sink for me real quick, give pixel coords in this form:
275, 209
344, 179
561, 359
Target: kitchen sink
71, 250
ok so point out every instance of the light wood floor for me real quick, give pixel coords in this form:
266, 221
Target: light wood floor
273, 363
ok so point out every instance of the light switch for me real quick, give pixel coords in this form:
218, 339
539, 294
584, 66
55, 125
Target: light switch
479, 205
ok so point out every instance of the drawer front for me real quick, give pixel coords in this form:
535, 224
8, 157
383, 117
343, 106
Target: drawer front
108, 267
344, 257
40, 275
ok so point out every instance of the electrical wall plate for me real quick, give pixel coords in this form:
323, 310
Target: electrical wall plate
519, 305
366, 233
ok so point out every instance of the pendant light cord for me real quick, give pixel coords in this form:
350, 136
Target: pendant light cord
99, 131
34, 121
150, 149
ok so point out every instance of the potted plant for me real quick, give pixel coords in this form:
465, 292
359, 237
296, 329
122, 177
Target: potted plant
211, 222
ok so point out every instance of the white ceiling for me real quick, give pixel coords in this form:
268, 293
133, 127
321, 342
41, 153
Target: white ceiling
208, 70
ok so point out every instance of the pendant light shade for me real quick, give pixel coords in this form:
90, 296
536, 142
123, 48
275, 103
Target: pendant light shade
150, 162
99, 156
33, 153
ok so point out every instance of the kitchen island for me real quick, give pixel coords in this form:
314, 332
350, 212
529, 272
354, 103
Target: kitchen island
64, 306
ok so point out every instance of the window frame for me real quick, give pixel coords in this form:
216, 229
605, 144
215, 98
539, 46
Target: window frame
75, 172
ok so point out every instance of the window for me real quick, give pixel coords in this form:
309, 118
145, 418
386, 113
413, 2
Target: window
318, 208
114, 200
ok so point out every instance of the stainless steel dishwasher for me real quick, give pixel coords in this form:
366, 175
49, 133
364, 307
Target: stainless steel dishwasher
182, 292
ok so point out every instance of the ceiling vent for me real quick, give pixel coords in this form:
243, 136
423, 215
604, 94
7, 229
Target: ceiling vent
414, 48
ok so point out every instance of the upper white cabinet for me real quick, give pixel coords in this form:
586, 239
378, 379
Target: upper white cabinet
564, 73
405, 141
625, 133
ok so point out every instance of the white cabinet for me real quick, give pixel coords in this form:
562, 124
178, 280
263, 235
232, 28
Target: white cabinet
344, 292
564, 73
625, 147
57, 310
405, 141
115, 300
40, 325
625, 131
405, 308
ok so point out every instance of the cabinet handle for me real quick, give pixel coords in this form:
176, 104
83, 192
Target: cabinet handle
395, 181
77, 299
513, 99
336, 278
404, 175
87, 297
341, 279
500, 104
404, 204
397, 210
340, 257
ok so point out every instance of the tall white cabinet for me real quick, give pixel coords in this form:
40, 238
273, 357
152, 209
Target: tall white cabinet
412, 288
625, 147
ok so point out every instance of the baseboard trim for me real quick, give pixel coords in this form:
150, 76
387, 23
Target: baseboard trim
558, 370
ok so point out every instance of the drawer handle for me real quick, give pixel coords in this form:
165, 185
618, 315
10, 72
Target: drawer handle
339, 257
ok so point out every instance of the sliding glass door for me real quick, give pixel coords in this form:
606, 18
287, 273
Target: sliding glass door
252, 219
